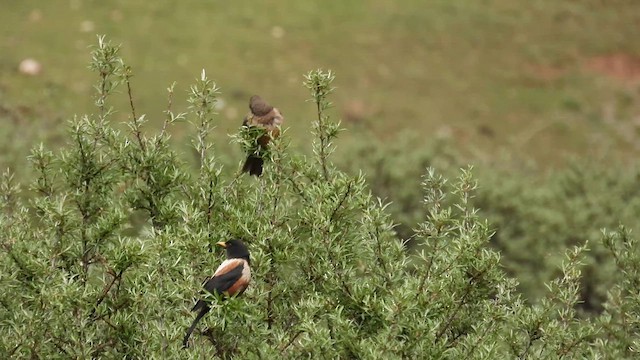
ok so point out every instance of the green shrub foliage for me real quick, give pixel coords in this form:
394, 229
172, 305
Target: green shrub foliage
105, 256
535, 215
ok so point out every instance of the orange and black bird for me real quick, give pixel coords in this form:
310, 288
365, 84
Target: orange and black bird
270, 119
230, 279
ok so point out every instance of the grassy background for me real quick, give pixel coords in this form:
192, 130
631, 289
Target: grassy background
534, 78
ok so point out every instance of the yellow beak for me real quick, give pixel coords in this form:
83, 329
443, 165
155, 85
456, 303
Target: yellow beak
222, 243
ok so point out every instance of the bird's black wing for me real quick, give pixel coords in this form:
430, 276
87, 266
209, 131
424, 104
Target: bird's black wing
227, 275
218, 284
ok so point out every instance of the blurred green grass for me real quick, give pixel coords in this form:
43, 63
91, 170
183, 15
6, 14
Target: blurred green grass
525, 77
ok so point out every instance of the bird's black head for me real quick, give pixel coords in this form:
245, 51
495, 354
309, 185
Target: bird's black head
236, 249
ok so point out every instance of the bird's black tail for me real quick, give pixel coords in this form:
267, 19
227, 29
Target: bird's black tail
253, 165
203, 311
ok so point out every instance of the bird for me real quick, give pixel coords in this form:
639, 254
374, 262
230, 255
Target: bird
230, 279
265, 116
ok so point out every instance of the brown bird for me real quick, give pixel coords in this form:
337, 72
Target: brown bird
230, 279
270, 119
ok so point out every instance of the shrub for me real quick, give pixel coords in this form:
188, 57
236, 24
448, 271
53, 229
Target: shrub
536, 214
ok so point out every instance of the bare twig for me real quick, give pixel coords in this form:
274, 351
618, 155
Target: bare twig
293, 338
105, 291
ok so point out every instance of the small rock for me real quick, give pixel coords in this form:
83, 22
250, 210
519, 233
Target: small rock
30, 67
277, 32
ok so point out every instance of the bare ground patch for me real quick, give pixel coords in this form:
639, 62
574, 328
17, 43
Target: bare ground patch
619, 66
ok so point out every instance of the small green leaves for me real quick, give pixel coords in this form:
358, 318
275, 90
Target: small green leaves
318, 82
106, 61
203, 97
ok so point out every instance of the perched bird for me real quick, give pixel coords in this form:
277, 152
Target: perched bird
230, 279
267, 117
